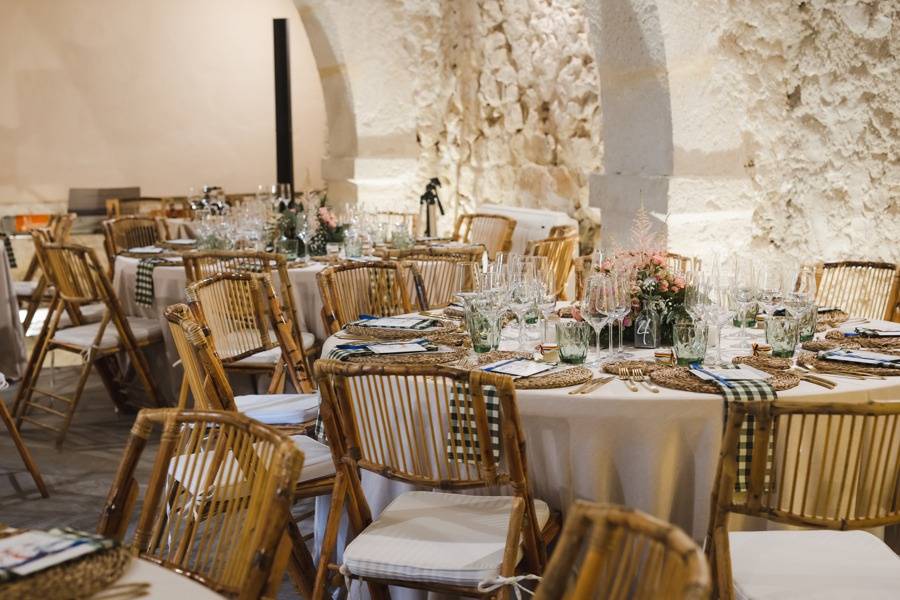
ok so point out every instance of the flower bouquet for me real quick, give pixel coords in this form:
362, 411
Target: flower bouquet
327, 229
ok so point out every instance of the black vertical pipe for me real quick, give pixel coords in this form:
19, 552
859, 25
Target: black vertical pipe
284, 139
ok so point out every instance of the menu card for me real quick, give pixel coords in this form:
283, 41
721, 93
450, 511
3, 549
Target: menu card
517, 367
31, 551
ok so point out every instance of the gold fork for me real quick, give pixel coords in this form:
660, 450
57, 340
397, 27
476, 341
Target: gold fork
625, 375
637, 374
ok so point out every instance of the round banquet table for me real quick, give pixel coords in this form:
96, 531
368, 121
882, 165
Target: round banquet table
168, 288
164, 583
657, 452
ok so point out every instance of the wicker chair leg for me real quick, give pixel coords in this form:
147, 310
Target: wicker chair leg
301, 568
23, 451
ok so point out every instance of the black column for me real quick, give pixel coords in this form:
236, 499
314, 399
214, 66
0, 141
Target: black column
284, 139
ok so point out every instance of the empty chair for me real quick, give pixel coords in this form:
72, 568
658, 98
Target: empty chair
33, 290
613, 552
559, 252
352, 289
825, 466
430, 427
495, 232
79, 280
249, 329
133, 231
862, 289
435, 280
216, 504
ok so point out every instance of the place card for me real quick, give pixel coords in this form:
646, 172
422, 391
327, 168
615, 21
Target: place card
517, 367
740, 373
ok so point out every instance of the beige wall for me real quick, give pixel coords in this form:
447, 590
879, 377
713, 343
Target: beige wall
164, 94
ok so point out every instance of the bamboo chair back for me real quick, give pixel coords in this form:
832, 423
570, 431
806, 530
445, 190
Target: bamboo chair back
559, 252
833, 466
200, 264
862, 289
202, 368
57, 231
495, 232
682, 264
396, 421
391, 219
618, 553
583, 267
244, 317
436, 280
75, 271
472, 252
217, 501
133, 231
352, 289
563, 231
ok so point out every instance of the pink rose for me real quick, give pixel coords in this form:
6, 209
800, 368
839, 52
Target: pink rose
635, 290
576, 313
663, 286
657, 259
679, 281
626, 322
674, 289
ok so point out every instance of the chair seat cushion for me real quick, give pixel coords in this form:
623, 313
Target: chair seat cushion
144, 330
90, 313
317, 461
24, 289
436, 537
806, 565
271, 356
279, 409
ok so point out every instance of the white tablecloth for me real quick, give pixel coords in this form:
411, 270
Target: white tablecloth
168, 288
164, 584
12, 338
653, 451
531, 223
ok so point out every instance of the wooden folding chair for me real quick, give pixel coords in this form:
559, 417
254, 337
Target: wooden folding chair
495, 232
22, 449
619, 553
246, 321
860, 288
435, 280
133, 231
472, 252
559, 251
79, 280
33, 290
211, 391
826, 466
436, 428
352, 289
216, 504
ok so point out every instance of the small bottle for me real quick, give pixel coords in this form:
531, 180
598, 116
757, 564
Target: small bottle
646, 327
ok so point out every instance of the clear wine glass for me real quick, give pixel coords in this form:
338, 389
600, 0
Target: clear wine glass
744, 291
622, 284
771, 287
521, 299
598, 309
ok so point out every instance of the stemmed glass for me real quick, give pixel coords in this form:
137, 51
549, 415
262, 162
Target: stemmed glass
598, 308
622, 282
521, 299
771, 287
744, 291
303, 234
803, 294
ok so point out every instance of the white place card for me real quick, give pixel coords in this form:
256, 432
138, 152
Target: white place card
742, 373
396, 348
521, 367
395, 322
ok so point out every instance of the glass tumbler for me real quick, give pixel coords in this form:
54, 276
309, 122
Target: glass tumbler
783, 334
573, 338
689, 341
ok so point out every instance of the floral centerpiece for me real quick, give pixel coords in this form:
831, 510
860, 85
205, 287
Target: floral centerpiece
653, 283
323, 225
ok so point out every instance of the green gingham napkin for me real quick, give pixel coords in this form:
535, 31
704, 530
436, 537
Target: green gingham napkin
466, 448
10, 255
143, 282
747, 391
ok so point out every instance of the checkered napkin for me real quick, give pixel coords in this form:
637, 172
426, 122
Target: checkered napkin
747, 391
462, 439
423, 324
10, 255
143, 283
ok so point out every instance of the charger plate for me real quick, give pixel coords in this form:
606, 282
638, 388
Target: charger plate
809, 359
680, 378
390, 333
567, 378
79, 578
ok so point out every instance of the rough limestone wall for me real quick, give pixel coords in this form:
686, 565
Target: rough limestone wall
822, 122
507, 100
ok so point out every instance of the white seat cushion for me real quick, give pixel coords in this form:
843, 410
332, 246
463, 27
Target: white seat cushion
279, 409
24, 288
273, 355
807, 565
317, 461
90, 313
144, 330
436, 537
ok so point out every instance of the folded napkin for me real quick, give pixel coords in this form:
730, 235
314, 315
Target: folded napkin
747, 391
392, 323
462, 439
10, 255
345, 351
862, 357
143, 282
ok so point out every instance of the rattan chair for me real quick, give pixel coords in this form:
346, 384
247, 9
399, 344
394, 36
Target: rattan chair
396, 422
619, 553
34, 290
832, 467
862, 289
682, 264
200, 264
250, 330
562, 231
559, 252
292, 413
352, 289
472, 252
435, 280
22, 449
217, 501
494, 232
132, 231
582, 265
79, 281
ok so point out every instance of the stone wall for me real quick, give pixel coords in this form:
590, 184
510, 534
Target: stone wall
822, 124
